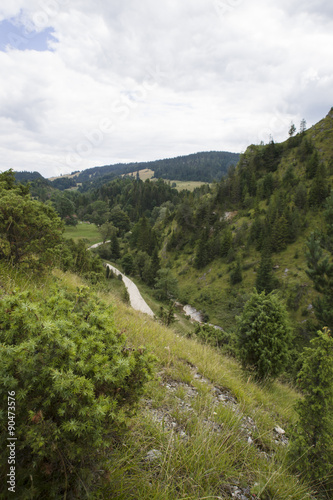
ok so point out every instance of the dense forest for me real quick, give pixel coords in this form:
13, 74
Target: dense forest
253, 251
205, 167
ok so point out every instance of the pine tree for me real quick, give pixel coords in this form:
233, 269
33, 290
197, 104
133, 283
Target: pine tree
320, 270
265, 281
202, 254
115, 250
236, 274
279, 234
319, 189
264, 335
226, 242
312, 165
311, 449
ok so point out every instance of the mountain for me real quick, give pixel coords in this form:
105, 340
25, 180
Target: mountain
206, 167
273, 200
28, 176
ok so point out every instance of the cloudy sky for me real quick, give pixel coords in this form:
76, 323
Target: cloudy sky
95, 82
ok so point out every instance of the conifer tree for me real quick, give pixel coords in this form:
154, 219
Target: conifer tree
312, 165
311, 450
265, 281
319, 189
202, 254
320, 268
236, 274
264, 335
279, 234
226, 242
300, 197
115, 250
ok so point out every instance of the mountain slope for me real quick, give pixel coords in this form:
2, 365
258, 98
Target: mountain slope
203, 428
274, 198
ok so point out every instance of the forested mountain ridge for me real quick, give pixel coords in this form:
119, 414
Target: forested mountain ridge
205, 167
274, 199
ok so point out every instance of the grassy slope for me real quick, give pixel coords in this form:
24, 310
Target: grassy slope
89, 232
209, 289
203, 442
189, 185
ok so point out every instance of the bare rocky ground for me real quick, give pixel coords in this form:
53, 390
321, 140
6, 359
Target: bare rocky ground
185, 394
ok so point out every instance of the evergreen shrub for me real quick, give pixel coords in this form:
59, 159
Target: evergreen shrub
264, 335
75, 382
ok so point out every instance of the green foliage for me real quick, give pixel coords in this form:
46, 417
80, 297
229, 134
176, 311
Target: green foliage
143, 237
320, 269
75, 257
115, 249
319, 189
226, 242
106, 230
166, 285
292, 130
75, 380
312, 164
311, 450
63, 205
279, 236
216, 337
300, 197
127, 263
99, 212
264, 335
265, 280
236, 274
202, 253
120, 219
29, 230
167, 316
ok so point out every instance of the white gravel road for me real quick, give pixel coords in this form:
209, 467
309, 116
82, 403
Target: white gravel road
136, 300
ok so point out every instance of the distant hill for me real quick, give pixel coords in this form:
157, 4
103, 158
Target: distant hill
205, 167
28, 176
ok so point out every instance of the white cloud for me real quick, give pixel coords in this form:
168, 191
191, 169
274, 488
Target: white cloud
132, 81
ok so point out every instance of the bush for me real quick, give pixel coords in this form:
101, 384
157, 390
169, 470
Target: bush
75, 381
216, 337
264, 335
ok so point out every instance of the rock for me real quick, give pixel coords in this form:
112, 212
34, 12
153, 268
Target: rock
279, 431
152, 455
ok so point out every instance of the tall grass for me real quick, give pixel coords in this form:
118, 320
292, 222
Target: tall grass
204, 449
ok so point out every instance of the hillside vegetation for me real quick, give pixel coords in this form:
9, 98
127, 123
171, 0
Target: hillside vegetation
211, 426
109, 403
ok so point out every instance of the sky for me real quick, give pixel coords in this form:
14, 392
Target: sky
87, 83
